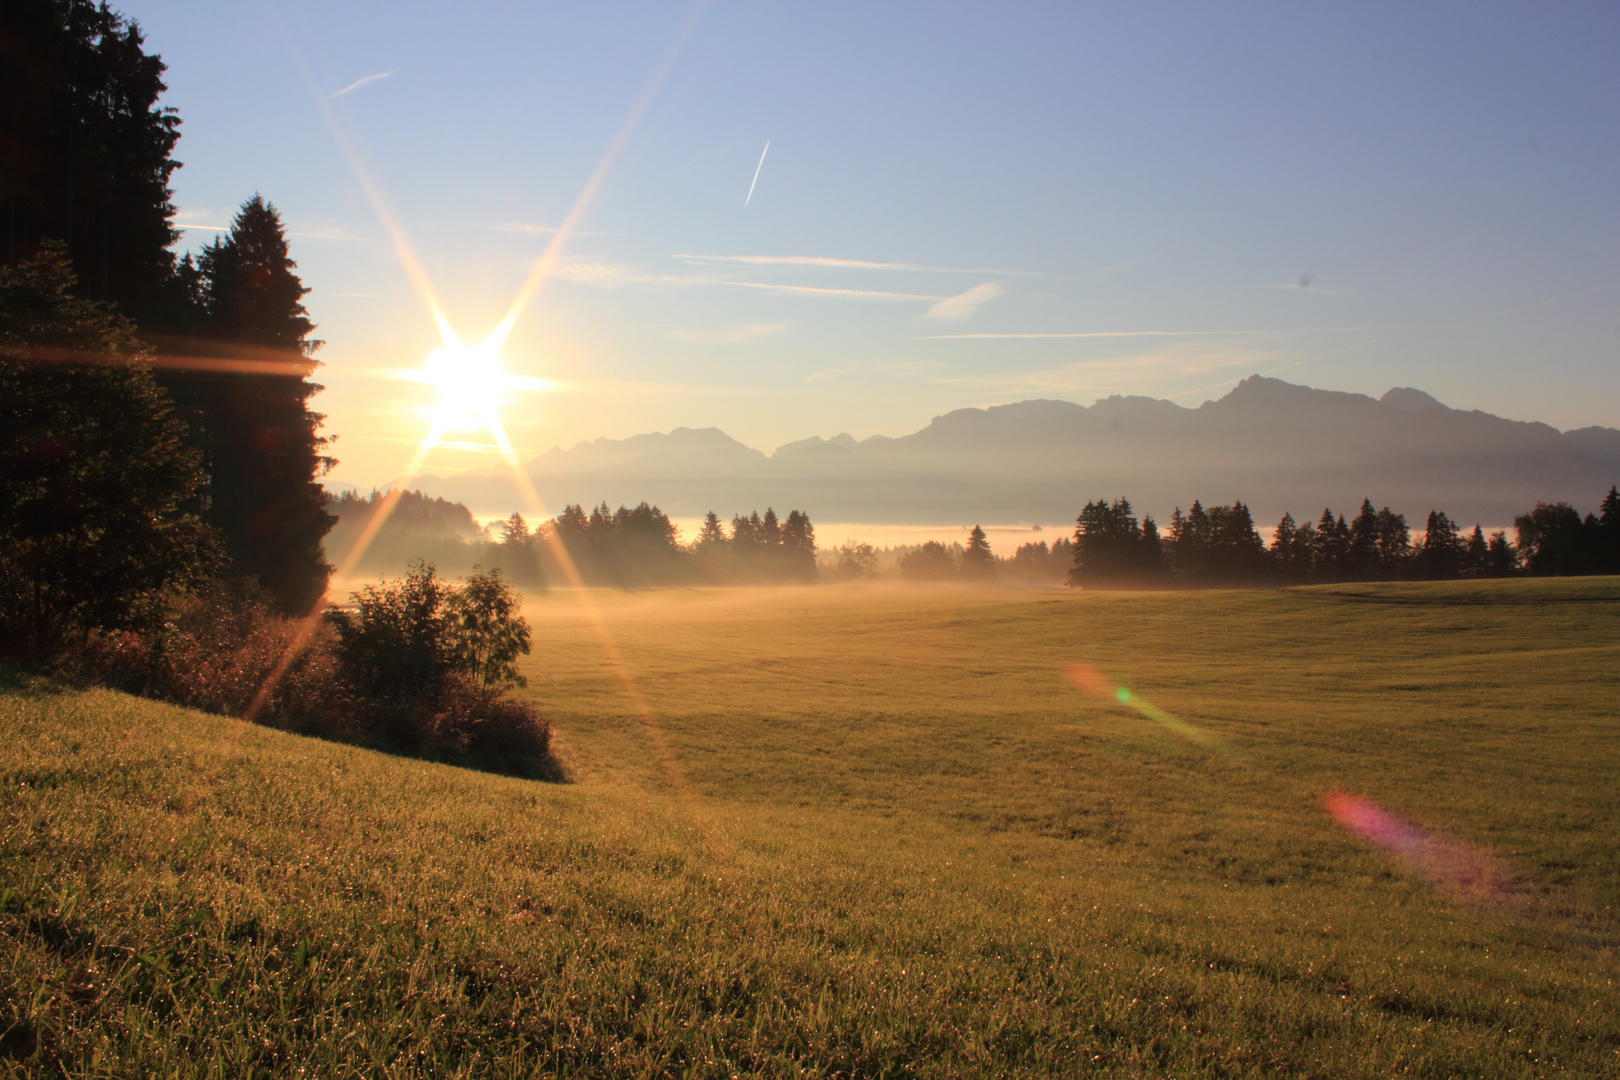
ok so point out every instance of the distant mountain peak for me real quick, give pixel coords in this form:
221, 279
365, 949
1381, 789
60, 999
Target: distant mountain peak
1407, 400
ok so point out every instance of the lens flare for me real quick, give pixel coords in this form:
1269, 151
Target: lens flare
1088, 679
1447, 864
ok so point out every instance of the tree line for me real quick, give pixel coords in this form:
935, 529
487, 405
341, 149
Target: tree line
628, 547
1220, 545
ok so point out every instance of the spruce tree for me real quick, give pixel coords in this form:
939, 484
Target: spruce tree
711, 535
260, 441
978, 561
87, 152
1440, 556
94, 477
799, 546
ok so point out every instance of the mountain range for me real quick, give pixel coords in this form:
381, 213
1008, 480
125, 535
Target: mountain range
1276, 446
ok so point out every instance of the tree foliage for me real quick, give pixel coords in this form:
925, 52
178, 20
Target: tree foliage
87, 151
241, 383
94, 475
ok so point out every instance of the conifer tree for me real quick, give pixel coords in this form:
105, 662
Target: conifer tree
94, 477
87, 151
711, 535
516, 534
799, 546
1440, 556
978, 561
260, 441
1476, 555
1608, 542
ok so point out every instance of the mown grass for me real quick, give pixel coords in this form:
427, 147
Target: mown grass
859, 832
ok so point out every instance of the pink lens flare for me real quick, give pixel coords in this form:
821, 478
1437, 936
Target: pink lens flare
1449, 865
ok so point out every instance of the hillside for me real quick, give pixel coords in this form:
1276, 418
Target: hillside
1277, 446
859, 832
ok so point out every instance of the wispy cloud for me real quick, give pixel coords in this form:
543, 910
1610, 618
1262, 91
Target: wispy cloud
728, 335
963, 305
204, 228
809, 290
843, 264
358, 83
1089, 334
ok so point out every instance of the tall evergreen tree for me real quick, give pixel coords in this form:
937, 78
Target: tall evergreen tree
1330, 555
93, 474
1608, 539
799, 546
1440, 556
249, 409
1476, 554
977, 560
84, 149
712, 535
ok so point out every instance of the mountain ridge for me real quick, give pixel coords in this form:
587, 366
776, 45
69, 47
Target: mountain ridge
1276, 445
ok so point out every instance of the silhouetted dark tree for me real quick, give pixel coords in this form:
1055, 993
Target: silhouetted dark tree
1502, 558
1291, 548
93, 472
84, 149
1111, 548
1608, 540
1440, 556
1555, 540
1330, 548
1217, 546
978, 562
798, 546
1476, 554
711, 535
248, 409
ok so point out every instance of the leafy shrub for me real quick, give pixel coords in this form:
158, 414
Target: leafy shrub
214, 651
420, 666
430, 662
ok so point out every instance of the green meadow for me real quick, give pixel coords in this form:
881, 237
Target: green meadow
861, 832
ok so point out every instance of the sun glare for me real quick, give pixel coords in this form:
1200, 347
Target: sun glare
472, 386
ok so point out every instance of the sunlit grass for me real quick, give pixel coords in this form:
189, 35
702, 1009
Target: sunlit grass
867, 832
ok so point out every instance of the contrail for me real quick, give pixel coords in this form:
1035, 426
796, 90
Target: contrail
358, 83
758, 167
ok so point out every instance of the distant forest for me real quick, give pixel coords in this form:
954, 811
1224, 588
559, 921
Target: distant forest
1219, 545
1111, 547
625, 548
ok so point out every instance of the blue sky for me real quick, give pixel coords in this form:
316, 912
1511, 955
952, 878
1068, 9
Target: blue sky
1348, 196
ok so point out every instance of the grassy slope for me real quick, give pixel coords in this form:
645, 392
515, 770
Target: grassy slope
866, 832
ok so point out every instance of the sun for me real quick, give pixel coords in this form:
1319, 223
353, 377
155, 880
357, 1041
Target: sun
472, 386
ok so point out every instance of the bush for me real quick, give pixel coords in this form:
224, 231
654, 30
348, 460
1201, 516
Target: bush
421, 666
431, 662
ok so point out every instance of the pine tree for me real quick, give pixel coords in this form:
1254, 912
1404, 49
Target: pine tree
88, 151
516, 534
1608, 558
1476, 555
799, 546
94, 477
712, 535
978, 561
259, 439
1361, 556
1440, 556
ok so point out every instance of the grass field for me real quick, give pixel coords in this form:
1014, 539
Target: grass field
858, 832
